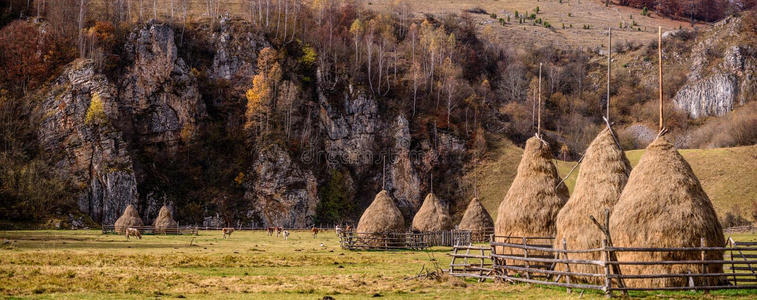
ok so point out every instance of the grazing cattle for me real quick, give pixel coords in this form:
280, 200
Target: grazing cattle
227, 231
270, 231
286, 235
133, 232
314, 231
278, 231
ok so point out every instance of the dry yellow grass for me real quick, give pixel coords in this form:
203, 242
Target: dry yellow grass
582, 12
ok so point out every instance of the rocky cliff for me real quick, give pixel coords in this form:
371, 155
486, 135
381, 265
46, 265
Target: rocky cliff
722, 69
91, 151
160, 97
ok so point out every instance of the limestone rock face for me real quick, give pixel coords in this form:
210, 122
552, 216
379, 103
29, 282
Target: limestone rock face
280, 192
93, 153
350, 129
714, 96
714, 89
160, 95
403, 181
236, 50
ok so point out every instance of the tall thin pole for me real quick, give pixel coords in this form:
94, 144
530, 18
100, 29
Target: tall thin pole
659, 53
609, 62
538, 128
383, 170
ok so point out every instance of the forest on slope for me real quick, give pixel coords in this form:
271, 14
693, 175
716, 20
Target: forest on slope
290, 114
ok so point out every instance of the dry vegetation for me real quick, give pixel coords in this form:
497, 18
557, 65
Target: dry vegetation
569, 12
251, 265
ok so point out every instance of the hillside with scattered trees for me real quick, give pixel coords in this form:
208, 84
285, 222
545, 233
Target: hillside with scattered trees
289, 114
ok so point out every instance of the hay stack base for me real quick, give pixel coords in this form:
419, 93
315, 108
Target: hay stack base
477, 220
130, 218
381, 219
601, 179
432, 216
663, 205
164, 221
533, 200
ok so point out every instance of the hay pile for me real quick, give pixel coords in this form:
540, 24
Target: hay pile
432, 216
663, 205
164, 221
534, 199
130, 218
603, 174
382, 216
476, 218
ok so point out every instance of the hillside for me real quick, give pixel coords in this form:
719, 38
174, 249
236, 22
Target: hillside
726, 174
573, 14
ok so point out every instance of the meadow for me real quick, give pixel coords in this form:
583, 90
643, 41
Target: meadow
87, 264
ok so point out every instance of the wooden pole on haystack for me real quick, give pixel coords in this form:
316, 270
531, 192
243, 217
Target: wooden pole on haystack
538, 128
659, 53
609, 62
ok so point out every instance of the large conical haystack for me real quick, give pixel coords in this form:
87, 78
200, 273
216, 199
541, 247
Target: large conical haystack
534, 199
604, 173
663, 205
165, 221
477, 220
130, 218
382, 216
432, 216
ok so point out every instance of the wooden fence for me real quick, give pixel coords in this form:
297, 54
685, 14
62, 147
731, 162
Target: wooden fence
111, 229
533, 260
404, 240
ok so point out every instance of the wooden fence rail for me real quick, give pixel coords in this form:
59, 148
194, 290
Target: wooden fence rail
532, 260
404, 240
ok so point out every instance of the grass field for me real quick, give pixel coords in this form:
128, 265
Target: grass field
251, 265
727, 174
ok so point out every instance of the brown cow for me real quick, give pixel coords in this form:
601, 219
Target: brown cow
133, 232
227, 231
278, 231
314, 231
270, 231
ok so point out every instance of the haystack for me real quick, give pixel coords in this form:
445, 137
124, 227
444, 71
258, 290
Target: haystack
663, 205
603, 174
382, 216
130, 218
531, 205
477, 220
432, 216
164, 221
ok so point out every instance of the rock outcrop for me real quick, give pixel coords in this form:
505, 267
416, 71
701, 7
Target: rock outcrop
91, 150
160, 95
718, 89
280, 192
236, 50
403, 180
350, 129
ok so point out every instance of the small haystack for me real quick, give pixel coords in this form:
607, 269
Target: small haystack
603, 174
381, 217
432, 216
531, 205
130, 218
477, 220
164, 221
663, 205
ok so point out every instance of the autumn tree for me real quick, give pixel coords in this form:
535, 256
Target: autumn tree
261, 98
22, 64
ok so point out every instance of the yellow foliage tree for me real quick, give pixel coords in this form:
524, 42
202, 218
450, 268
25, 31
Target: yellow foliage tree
95, 112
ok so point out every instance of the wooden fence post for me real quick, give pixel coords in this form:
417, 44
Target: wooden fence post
526, 263
606, 259
567, 265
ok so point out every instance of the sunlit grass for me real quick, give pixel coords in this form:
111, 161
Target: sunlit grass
250, 265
